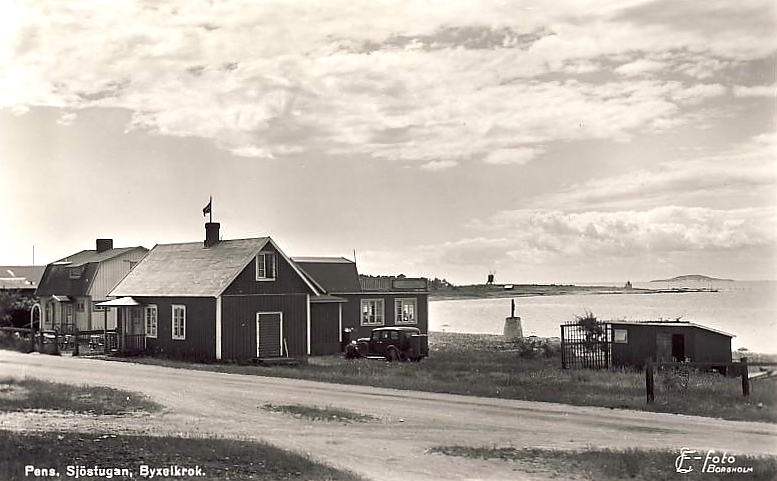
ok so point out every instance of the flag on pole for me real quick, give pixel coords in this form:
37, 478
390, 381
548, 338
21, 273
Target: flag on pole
206, 209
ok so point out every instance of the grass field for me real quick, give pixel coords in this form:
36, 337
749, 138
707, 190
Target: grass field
491, 366
617, 465
18, 395
217, 459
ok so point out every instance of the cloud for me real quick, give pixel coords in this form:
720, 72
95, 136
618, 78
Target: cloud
519, 156
526, 243
699, 92
640, 67
67, 118
743, 175
461, 81
437, 165
755, 91
623, 233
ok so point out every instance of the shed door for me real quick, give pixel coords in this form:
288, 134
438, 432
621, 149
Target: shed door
269, 334
663, 347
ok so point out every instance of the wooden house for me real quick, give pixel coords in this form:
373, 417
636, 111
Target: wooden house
634, 342
370, 301
71, 288
237, 299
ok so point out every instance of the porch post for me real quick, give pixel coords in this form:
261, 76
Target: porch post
105, 331
218, 328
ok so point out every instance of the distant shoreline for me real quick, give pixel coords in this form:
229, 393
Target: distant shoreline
538, 290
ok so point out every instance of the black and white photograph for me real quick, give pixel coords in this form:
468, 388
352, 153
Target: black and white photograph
429, 240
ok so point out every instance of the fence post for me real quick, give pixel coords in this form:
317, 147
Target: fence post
745, 377
563, 349
649, 387
75, 351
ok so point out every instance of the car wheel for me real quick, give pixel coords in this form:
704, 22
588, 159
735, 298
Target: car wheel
391, 355
402, 356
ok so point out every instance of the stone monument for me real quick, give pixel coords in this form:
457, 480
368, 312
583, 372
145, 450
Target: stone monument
513, 323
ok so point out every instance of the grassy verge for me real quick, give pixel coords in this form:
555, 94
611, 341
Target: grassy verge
18, 395
491, 366
216, 458
315, 413
616, 465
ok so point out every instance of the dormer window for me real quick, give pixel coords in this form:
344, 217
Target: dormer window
75, 272
266, 266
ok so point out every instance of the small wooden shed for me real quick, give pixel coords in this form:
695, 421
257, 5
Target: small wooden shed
634, 342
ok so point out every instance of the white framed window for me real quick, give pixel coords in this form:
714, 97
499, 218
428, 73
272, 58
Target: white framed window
620, 336
151, 321
179, 322
405, 311
372, 312
266, 269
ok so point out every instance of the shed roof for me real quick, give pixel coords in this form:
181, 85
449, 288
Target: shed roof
191, 270
672, 324
334, 274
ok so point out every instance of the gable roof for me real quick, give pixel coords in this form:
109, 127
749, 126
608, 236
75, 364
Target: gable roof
190, 270
20, 277
334, 274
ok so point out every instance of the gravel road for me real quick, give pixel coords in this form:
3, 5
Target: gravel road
395, 446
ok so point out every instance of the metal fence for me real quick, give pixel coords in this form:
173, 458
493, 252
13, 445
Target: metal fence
586, 345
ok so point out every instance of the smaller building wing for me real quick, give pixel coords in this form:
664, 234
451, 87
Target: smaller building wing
334, 274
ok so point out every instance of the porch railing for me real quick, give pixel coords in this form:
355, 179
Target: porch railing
132, 343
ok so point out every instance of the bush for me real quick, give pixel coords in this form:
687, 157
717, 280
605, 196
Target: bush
14, 341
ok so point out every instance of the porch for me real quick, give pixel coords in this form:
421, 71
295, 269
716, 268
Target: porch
130, 333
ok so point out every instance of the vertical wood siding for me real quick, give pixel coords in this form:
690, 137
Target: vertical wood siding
238, 323
700, 345
287, 281
110, 272
324, 329
200, 342
352, 311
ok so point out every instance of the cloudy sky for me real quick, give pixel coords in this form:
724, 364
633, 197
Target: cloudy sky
562, 141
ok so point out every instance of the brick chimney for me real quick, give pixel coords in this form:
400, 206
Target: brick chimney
211, 234
104, 245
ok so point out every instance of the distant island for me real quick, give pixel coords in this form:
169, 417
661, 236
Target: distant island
693, 278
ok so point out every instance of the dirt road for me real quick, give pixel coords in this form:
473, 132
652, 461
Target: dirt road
204, 403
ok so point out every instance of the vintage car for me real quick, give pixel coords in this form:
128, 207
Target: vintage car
391, 344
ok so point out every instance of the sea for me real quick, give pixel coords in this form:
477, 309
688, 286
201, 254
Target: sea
747, 309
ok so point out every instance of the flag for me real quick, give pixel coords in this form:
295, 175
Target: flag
206, 209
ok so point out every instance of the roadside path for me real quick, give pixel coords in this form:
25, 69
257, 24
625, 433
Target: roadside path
205, 403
